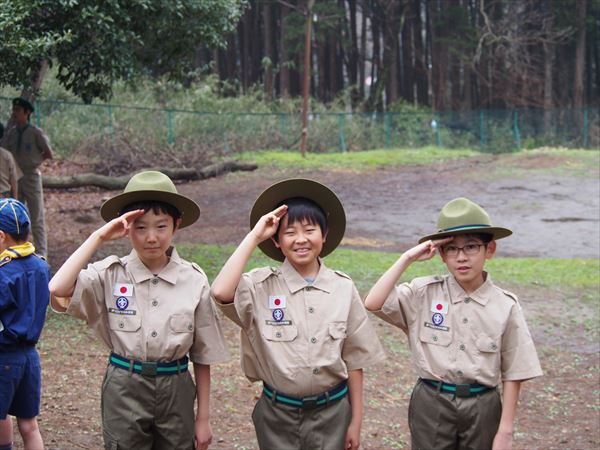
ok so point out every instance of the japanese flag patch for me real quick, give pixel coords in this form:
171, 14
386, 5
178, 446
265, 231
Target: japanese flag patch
123, 290
439, 306
276, 301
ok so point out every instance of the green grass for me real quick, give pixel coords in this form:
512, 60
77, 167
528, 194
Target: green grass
354, 160
365, 267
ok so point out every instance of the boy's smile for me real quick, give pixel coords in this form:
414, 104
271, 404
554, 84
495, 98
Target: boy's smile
301, 243
151, 236
465, 258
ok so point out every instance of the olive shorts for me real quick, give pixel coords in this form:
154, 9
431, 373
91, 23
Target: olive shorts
283, 427
440, 420
141, 412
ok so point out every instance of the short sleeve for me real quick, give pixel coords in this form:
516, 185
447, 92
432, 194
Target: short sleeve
398, 308
209, 345
240, 310
519, 356
361, 347
42, 142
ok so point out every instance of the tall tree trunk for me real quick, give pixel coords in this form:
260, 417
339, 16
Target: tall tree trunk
391, 49
284, 56
269, 53
352, 66
439, 56
578, 82
407, 47
363, 52
36, 79
548, 66
421, 69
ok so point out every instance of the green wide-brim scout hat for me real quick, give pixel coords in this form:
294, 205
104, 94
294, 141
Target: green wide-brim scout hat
312, 190
151, 186
461, 216
23, 103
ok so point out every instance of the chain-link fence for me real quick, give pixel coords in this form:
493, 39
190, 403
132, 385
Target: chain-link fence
73, 126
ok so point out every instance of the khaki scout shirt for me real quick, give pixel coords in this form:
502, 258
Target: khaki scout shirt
460, 338
8, 171
301, 338
150, 318
34, 143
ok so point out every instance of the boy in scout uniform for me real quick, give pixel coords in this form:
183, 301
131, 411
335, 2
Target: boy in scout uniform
152, 309
9, 174
305, 333
466, 335
24, 299
30, 147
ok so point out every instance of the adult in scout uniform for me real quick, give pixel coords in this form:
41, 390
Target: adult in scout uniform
9, 173
466, 335
30, 147
305, 333
152, 309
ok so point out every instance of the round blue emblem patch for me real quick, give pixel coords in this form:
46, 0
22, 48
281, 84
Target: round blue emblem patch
278, 315
122, 303
437, 319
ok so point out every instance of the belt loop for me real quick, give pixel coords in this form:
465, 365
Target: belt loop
439, 386
130, 367
327, 398
274, 397
178, 366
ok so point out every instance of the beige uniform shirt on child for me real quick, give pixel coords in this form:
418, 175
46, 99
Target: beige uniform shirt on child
459, 338
147, 317
302, 338
8, 171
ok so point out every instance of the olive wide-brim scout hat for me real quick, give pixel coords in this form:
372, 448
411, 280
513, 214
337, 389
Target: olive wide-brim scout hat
276, 194
151, 186
461, 216
23, 103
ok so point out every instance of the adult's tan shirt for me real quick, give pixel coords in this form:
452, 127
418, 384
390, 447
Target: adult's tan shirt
459, 338
301, 338
9, 171
28, 145
149, 318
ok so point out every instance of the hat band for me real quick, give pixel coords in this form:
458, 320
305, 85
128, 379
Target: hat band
466, 227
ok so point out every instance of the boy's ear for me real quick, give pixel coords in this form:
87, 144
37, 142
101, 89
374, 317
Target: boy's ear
177, 223
490, 250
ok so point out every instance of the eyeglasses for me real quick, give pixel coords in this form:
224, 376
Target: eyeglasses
469, 249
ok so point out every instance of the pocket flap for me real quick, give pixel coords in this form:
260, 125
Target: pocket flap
487, 344
434, 337
337, 330
280, 333
180, 323
118, 322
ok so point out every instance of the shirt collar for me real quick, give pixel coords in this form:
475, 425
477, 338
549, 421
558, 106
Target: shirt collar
139, 272
295, 282
481, 295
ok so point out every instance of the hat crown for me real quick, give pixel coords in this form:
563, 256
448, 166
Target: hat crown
150, 180
14, 217
462, 212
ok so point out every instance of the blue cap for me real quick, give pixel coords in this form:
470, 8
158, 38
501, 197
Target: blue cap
14, 217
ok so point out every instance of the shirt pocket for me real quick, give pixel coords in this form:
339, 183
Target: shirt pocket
125, 323
181, 323
488, 360
487, 344
281, 333
438, 338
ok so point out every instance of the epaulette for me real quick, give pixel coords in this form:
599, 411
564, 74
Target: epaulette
42, 257
109, 261
510, 295
342, 274
261, 274
425, 281
5, 260
197, 267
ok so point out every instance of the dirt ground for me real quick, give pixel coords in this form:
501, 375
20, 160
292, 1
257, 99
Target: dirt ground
552, 203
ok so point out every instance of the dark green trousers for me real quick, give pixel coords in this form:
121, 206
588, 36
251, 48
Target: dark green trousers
141, 412
442, 421
282, 427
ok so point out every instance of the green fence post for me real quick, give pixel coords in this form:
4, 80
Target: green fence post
435, 123
38, 116
170, 136
516, 130
388, 129
481, 130
341, 122
585, 128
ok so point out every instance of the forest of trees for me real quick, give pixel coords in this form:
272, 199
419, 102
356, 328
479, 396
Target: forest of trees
442, 54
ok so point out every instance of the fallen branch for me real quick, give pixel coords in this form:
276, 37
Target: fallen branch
115, 183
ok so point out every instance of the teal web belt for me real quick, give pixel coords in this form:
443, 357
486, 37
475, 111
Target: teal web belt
149, 368
310, 402
460, 390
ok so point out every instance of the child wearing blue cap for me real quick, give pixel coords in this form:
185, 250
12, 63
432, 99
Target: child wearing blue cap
24, 297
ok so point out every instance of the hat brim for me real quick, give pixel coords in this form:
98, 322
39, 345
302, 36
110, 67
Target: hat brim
189, 210
312, 190
496, 232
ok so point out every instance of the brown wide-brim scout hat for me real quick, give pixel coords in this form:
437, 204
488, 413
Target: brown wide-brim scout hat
151, 186
461, 216
312, 190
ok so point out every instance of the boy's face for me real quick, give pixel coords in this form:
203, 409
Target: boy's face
301, 243
20, 115
465, 258
151, 236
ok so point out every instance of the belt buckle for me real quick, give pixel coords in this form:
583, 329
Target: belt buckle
310, 402
463, 390
148, 369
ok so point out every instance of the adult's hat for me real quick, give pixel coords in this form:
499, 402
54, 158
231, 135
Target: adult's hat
151, 186
23, 103
324, 197
14, 217
462, 216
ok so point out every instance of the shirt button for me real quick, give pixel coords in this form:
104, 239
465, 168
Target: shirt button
154, 302
121, 324
313, 339
316, 370
190, 327
459, 373
494, 346
467, 300
311, 309
462, 346
154, 334
155, 281
434, 338
278, 334
465, 320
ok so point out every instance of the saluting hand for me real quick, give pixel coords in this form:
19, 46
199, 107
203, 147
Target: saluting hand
118, 227
426, 250
267, 225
